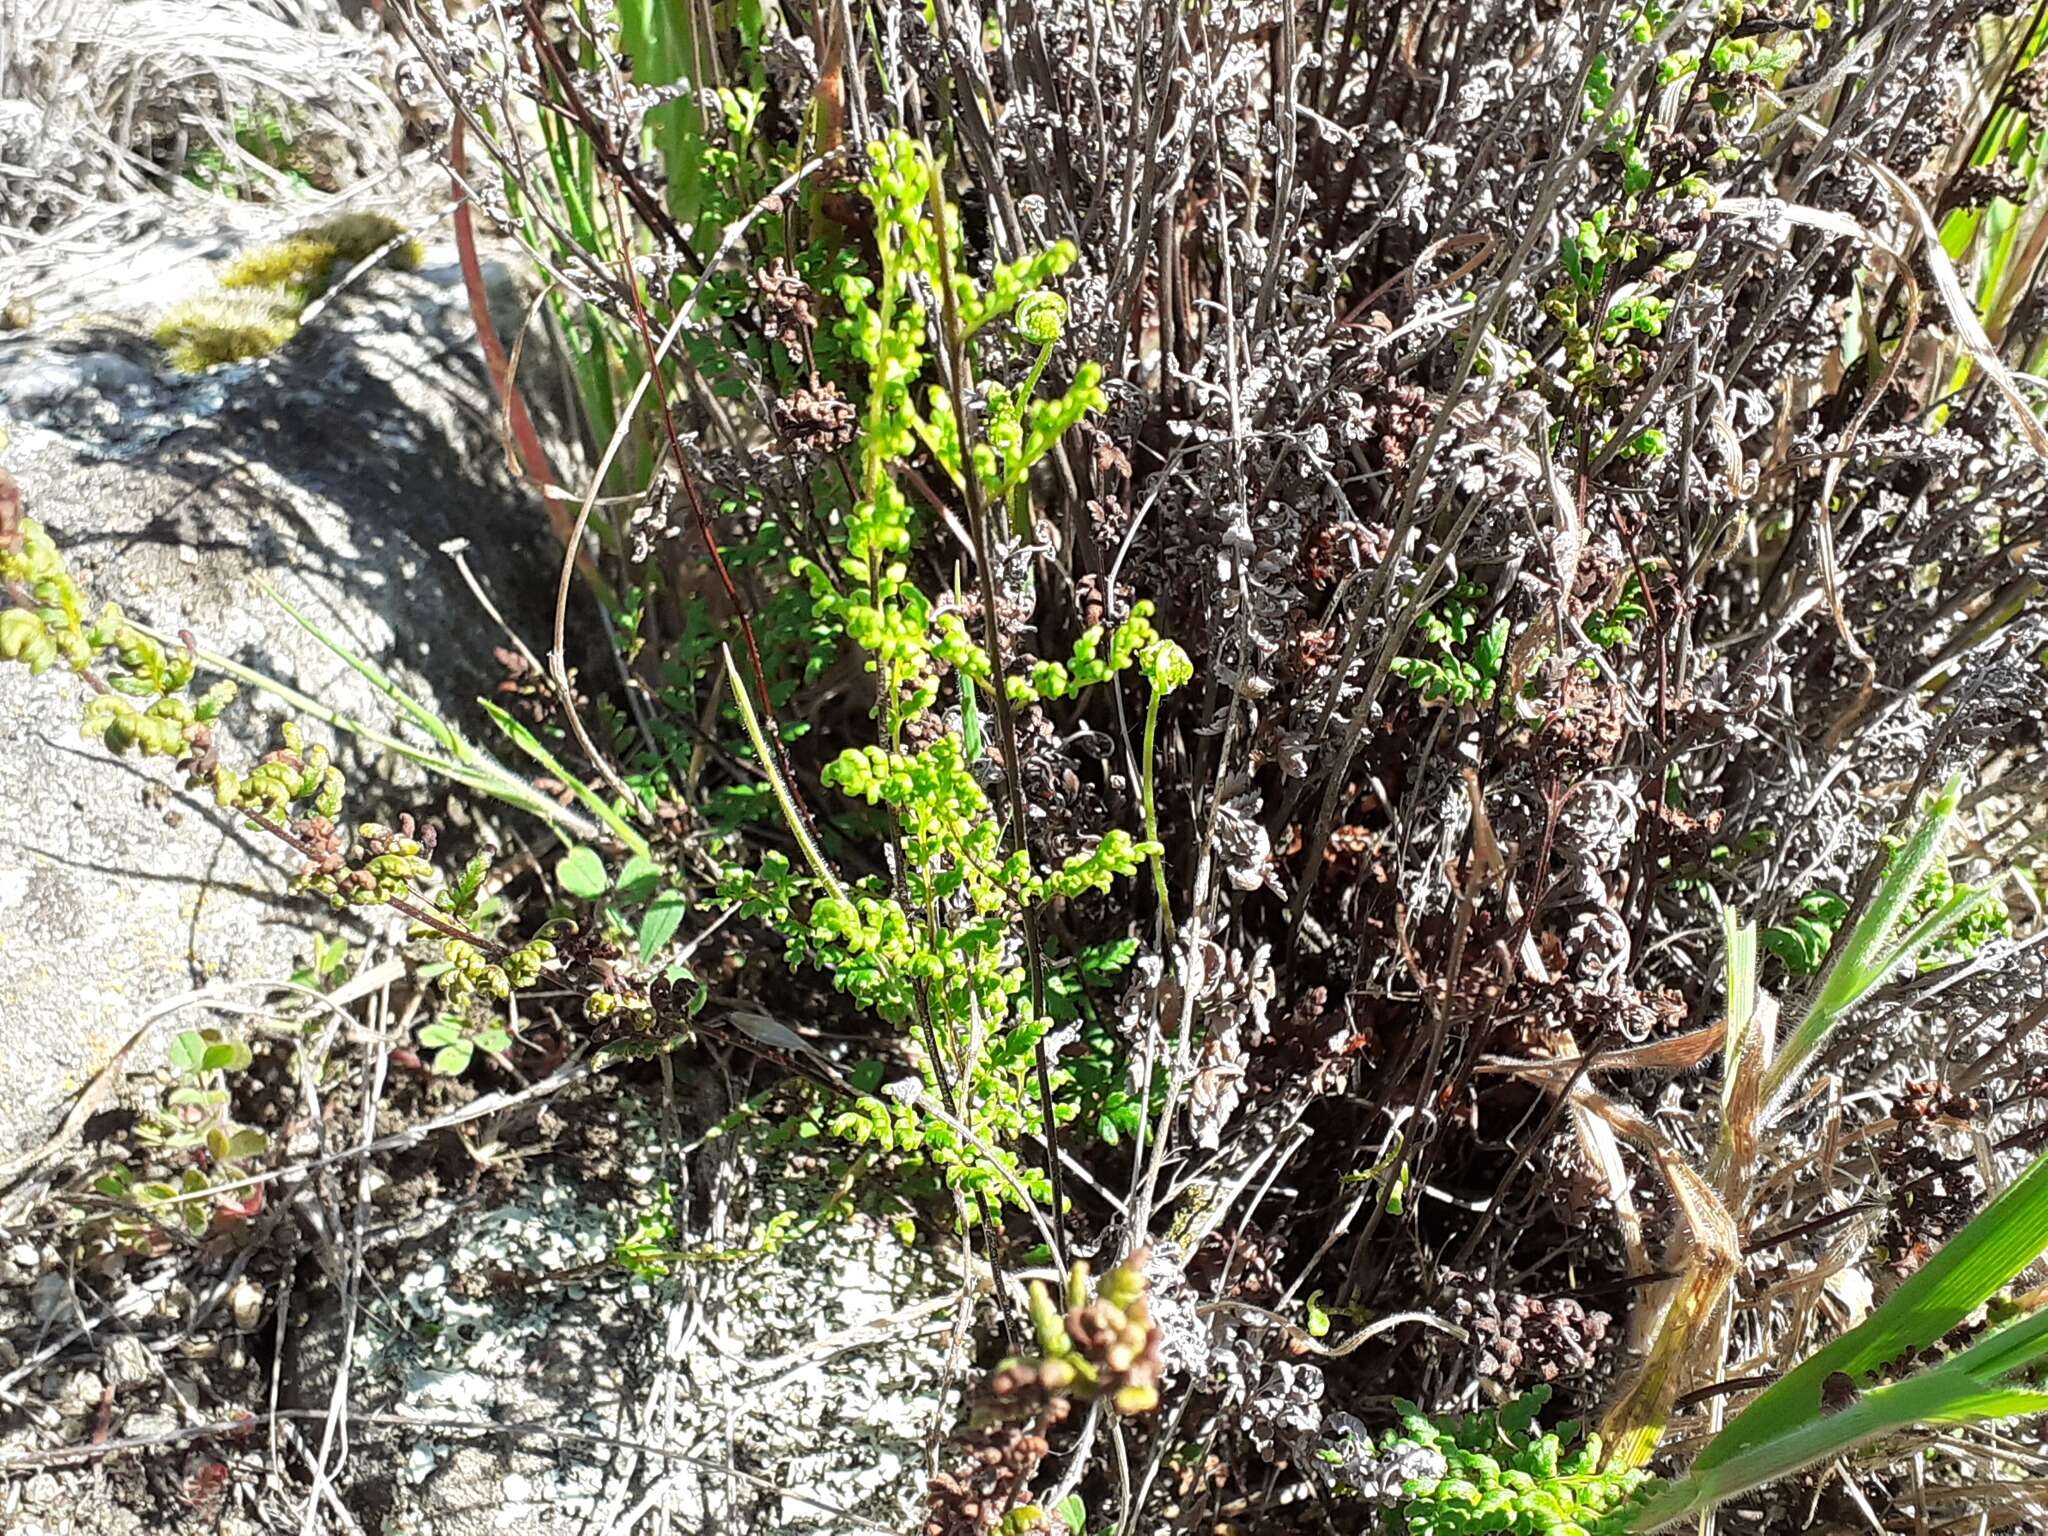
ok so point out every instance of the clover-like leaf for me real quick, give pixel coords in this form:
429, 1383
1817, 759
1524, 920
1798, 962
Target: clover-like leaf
580, 872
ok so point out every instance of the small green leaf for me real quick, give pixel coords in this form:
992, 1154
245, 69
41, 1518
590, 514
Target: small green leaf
581, 873
247, 1142
462, 894
452, 1060
227, 1056
188, 1052
1102, 962
638, 879
1318, 1319
329, 956
1800, 945
1635, 176
1488, 655
664, 916
442, 1031
531, 745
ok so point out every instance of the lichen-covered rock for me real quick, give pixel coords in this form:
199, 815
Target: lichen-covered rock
816, 1370
335, 471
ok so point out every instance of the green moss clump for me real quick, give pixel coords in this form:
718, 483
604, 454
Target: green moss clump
298, 267
302, 266
268, 286
225, 328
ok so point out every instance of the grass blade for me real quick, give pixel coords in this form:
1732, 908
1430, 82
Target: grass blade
1740, 948
1934, 927
532, 746
783, 798
1861, 961
478, 772
1971, 1387
449, 738
2006, 1236
1636, 1422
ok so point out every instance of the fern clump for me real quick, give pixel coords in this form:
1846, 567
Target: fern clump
1480, 1473
937, 950
142, 702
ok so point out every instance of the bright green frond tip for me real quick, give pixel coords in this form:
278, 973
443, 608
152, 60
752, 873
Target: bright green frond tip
1166, 666
1040, 317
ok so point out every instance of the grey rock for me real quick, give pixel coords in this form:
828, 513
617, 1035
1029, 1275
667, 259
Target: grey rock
80, 1393
816, 1371
333, 471
49, 1298
127, 1361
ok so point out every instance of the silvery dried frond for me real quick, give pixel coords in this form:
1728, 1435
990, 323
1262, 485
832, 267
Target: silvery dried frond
792, 64
2003, 683
1238, 1366
1597, 819
1233, 1012
1945, 452
1599, 948
1484, 90
652, 519
1826, 845
1437, 840
1243, 990
1347, 1450
1228, 988
1143, 1004
1721, 706
1216, 1086
1242, 845
1186, 1342
1362, 1471
1282, 1415
1894, 746
1981, 1000
1772, 352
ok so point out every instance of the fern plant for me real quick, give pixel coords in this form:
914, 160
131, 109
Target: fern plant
937, 950
1494, 1471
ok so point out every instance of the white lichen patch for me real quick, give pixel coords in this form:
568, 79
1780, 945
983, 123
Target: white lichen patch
815, 1372
461, 1349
